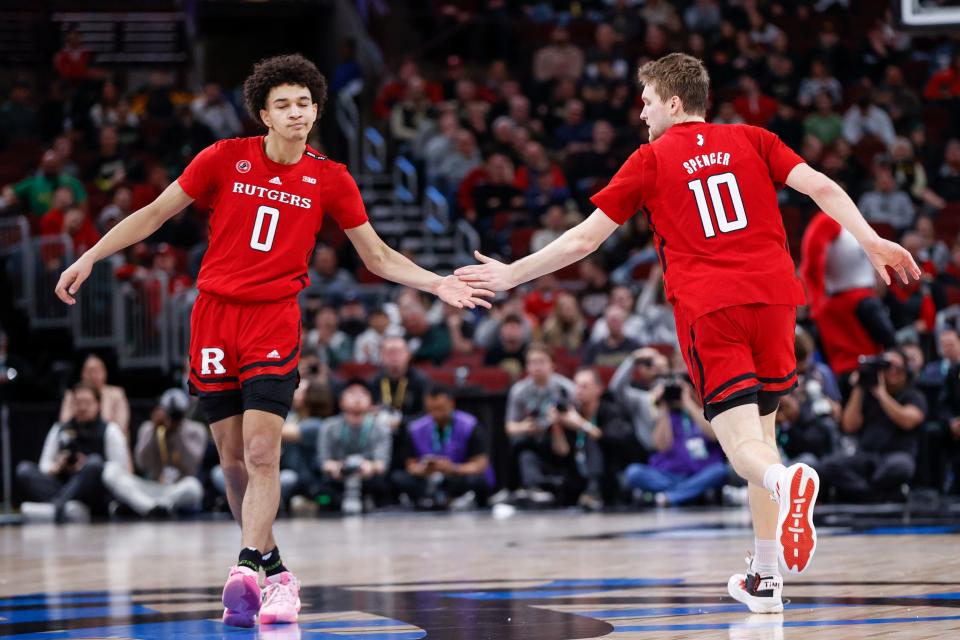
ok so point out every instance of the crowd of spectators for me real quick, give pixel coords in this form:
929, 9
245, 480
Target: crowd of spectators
517, 124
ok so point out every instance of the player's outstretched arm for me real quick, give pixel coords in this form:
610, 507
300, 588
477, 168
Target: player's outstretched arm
394, 266
132, 229
835, 202
576, 244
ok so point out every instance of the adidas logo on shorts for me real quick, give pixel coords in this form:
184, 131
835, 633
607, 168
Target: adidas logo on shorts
274, 355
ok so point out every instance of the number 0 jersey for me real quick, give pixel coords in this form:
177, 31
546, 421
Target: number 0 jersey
265, 216
710, 197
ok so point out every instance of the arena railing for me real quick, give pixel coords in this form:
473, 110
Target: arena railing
15, 254
95, 315
144, 323
48, 257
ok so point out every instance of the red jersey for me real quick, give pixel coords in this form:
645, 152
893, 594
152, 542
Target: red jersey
709, 193
265, 216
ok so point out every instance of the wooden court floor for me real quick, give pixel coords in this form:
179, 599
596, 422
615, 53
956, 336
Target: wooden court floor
549, 576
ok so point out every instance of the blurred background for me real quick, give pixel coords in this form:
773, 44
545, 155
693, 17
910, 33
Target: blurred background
475, 125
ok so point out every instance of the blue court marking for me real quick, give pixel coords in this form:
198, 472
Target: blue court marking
775, 625
953, 595
71, 613
650, 612
55, 600
932, 530
565, 589
192, 629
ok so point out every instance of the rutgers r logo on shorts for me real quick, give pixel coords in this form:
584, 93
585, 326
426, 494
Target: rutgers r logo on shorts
211, 361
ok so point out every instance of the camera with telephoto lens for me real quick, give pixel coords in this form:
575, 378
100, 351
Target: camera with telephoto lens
67, 441
672, 388
352, 465
869, 368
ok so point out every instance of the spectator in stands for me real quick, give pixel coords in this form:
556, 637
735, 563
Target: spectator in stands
606, 60
934, 374
67, 484
703, 16
574, 132
885, 203
944, 85
335, 346
109, 168
819, 82
460, 326
530, 402
167, 456
495, 195
565, 327
620, 296
118, 209
595, 294
299, 437
948, 179
463, 157
865, 118
807, 428
897, 98
107, 111
824, 124
661, 14
885, 410
753, 106
688, 462
553, 223
510, 348
73, 61
594, 164
933, 252
368, 345
35, 192
214, 110
112, 400
193, 136
648, 364
398, 389
445, 456
409, 116
656, 314
911, 175
428, 341
18, 116
559, 59
438, 142
74, 223
327, 278
353, 453
612, 350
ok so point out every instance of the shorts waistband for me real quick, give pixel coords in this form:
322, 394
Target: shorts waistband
243, 303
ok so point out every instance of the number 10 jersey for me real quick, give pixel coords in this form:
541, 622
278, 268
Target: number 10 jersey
709, 193
265, 216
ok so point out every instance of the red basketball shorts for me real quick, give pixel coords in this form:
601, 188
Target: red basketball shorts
244, 355
740, 350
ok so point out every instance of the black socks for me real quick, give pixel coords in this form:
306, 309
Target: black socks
271, 563
249, 558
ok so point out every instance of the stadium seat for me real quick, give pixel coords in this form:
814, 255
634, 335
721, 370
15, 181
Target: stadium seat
473, 359
492, 379
565, 362
445, 375
947, 223
520, 242
356, 370
605, 372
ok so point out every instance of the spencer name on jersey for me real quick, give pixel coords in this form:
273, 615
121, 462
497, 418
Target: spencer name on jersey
705, 160
265, 216
709, 193
272, 194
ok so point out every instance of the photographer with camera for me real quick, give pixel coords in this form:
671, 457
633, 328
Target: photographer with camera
353, 452
884, 411
168, 455
529, 405
445, 455
808, 417
68, 481
643, 365
688, 460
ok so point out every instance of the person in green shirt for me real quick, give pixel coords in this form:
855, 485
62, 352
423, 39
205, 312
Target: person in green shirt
36, 192
824, 124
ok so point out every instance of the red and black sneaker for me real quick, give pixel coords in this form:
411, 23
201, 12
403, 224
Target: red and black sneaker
796, 535
761, 593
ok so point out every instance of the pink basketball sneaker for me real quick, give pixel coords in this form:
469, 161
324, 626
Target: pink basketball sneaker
241, 597
281, 599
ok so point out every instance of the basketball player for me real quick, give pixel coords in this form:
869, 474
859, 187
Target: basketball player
267, 196
709, 194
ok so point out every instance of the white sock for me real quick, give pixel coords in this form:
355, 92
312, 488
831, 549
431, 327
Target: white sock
771, 477
765, 557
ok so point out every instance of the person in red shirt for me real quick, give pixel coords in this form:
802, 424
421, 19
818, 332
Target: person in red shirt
709, 192
267, 197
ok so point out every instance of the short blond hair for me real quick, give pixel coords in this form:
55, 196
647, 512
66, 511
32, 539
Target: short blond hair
681, 75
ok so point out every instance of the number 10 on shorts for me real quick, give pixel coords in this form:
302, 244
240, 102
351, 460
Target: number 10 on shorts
724, 224
267, 243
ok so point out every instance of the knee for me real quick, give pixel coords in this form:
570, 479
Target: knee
25, 469
113, 473
900, 467
262, 454
192, 489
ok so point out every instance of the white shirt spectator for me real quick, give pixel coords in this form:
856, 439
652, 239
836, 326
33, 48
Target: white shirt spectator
873, 121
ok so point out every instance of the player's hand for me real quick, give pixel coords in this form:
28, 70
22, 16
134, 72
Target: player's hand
883, 253
72, 278
491, 274
457, 292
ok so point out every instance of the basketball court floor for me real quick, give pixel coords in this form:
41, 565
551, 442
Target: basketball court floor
535, 576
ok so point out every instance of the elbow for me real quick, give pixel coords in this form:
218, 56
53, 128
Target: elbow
376, 261
584, 246
824, 188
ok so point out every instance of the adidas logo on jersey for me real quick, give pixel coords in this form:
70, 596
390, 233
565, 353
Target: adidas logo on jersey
275, 180
309, 179
273, 355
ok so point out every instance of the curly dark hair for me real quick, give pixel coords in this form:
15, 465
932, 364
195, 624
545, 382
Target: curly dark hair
279, 70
